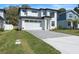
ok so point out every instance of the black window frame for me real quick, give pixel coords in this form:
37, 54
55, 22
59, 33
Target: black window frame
52, 23
52, 14
69, 23
44, 12
26, 20
24, 10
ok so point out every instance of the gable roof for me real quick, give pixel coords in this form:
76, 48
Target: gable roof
69, 11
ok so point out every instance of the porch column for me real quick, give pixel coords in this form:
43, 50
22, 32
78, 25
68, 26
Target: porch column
71, 24
45, 24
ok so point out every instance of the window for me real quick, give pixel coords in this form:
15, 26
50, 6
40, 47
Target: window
32, 21
52, 14
44, 12
53, 23
34, 11
75, 17
24, 10
69, 23
70, 15
26, 20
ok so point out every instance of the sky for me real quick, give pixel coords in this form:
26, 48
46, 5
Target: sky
52, 6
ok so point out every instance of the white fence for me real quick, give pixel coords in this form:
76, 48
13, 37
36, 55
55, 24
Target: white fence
8, 26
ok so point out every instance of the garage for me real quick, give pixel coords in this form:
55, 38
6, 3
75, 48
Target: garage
31, 25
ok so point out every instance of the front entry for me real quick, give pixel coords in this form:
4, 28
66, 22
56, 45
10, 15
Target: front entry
46, 24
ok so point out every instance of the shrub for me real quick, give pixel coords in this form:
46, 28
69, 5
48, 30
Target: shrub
1, 29
60, 27
17, 29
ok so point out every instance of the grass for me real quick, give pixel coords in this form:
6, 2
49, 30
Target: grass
30, 44
68, 31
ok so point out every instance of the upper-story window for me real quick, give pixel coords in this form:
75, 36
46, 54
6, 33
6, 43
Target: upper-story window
24, 10
75, 17
34, 11
44, 12
70, 15
52, 14
53, 23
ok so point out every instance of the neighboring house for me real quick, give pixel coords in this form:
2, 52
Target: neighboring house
37, 19
3, 24
2, 18
65, 19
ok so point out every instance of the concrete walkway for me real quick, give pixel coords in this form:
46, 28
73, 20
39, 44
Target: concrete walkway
66, 44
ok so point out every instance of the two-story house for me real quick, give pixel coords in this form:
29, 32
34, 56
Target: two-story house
37, 19
66, 19
2, 18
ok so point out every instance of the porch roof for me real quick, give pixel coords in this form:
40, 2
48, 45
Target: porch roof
32, 17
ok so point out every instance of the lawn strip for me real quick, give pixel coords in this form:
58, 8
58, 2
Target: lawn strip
24, 44
38, 46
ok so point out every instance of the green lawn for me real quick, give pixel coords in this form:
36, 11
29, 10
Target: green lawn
68, 31
29, 45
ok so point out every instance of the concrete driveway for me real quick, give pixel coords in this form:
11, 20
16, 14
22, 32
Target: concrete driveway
66, 44
47, 34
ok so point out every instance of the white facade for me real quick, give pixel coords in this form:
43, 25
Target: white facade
37, 19
8, 27
29, 13
55, 20
2, 14
2, 19
3, 25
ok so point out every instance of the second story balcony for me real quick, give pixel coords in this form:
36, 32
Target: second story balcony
37, 12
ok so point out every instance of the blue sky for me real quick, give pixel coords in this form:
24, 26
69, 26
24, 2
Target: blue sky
53, 6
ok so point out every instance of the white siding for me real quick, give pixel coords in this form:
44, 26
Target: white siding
53, 19
8, 27
78, 26
48, 13
29, 13
2, 14
73, 16
44, 21
22, 13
